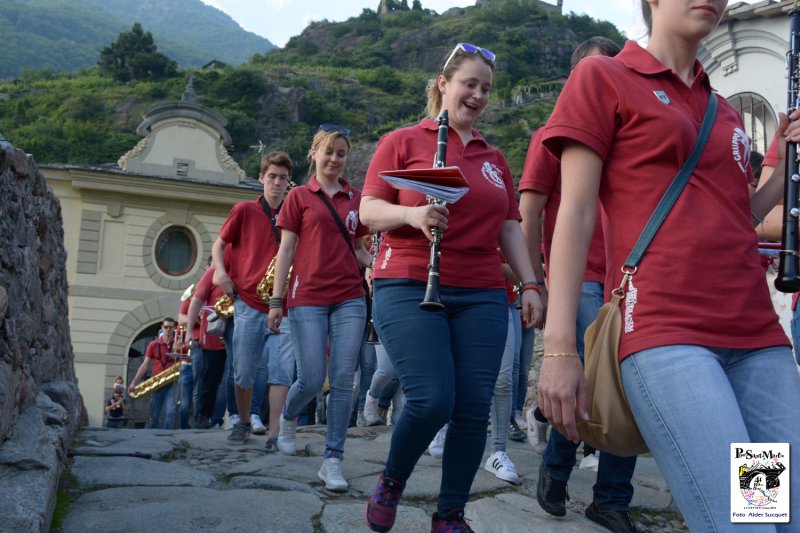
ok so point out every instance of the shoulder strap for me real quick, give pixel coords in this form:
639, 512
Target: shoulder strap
275, 232
342, 229
674, 190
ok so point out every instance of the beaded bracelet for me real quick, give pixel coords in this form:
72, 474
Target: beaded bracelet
561, 354
531, 285
276, 303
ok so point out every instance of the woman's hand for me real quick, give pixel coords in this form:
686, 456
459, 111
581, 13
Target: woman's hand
274, 319
532, 309
425, 217
562, 394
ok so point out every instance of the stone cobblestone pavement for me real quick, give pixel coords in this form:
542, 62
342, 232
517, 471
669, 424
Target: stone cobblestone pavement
193, 481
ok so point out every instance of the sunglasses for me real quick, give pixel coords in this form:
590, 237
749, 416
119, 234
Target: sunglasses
470, 49
331, 128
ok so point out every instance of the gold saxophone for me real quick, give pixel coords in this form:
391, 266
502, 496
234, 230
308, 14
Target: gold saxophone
165, 377
267, 283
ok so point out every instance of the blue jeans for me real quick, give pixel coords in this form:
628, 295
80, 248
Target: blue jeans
163, 400
448, 362
384, 372
257, 350
277, 363
503, 387
525, 358
692, 402
187, 393
312, 326
367, 361
796, 333
613, 489
198, 372
227, 378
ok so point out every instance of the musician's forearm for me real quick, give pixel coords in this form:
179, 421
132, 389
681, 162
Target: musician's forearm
512, 242
381, 215
531, 206
768, 195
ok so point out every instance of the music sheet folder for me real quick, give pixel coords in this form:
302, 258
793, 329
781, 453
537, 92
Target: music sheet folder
447, 184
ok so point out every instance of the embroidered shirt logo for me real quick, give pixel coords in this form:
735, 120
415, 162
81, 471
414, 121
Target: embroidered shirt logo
662, 97
740, 146
631, 297
295, 286
386, 257
493, 174
351, 222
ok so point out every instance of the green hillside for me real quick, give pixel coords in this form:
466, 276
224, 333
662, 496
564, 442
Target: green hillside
64, 35
369, 73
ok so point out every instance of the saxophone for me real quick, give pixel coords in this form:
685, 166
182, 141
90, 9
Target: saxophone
267, 284
165, 377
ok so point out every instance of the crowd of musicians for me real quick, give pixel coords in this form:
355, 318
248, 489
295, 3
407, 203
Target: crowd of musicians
699, 331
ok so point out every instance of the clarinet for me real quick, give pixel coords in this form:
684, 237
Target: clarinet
431, 301
372, 333
788, 279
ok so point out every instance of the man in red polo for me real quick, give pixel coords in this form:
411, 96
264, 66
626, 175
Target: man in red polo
252, 239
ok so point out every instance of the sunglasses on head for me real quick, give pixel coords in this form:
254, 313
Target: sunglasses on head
468, 48
331, 128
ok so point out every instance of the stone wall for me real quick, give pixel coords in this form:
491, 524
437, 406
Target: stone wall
39, 399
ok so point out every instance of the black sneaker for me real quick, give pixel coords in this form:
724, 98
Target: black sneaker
616, 521
239, 433
551, 493
515, 433
271, 446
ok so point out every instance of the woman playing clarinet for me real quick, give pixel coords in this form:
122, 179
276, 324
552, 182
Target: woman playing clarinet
448, 359
704, 362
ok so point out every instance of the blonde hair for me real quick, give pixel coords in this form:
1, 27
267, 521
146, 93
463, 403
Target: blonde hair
434, 105
323, 139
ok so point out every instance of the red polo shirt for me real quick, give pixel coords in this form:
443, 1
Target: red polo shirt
324, 271
700, 281
542, 174
248, 233
208, 293
185, 310
157, 350
469, 245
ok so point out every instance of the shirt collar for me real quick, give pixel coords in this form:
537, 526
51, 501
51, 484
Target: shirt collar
639, 59
430, 124
314, 186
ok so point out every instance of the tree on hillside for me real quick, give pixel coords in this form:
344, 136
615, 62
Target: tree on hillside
134, 56
416, 5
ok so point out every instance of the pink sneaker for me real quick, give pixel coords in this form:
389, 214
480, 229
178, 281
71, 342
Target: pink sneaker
453, 522
382, 506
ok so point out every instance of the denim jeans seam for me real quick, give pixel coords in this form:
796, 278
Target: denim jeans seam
693, 482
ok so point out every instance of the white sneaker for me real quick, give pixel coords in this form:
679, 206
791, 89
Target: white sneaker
331, 474
520, 420
436, 447
501, 466
232, 421
537, 432
287, 441
590, 462
371, 415
258, 426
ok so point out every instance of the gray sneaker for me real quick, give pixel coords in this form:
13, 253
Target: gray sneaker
271, 446
287, 442
239, 434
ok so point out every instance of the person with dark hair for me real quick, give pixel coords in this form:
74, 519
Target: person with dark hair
693, 338
251, 237
541, 194
322, 241
448, 360
115, 410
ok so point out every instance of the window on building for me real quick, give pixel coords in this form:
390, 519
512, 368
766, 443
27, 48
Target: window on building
758, 117
176, 251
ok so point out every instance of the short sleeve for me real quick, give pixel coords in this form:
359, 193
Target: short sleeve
387, 157
542, 169
290, 217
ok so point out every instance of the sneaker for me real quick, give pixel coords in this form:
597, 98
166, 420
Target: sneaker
551, 493
501, 466
537, 432
232, 421
520, 420
436, 447
360, 420
382, 507
287, 441
590, 462
271, 446
616, 521
371, 415
258, 426
239, 433
453, 522
331, 474
515, 433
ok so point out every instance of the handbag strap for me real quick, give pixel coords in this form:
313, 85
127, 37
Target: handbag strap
268, 211
674, 190
342, 229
